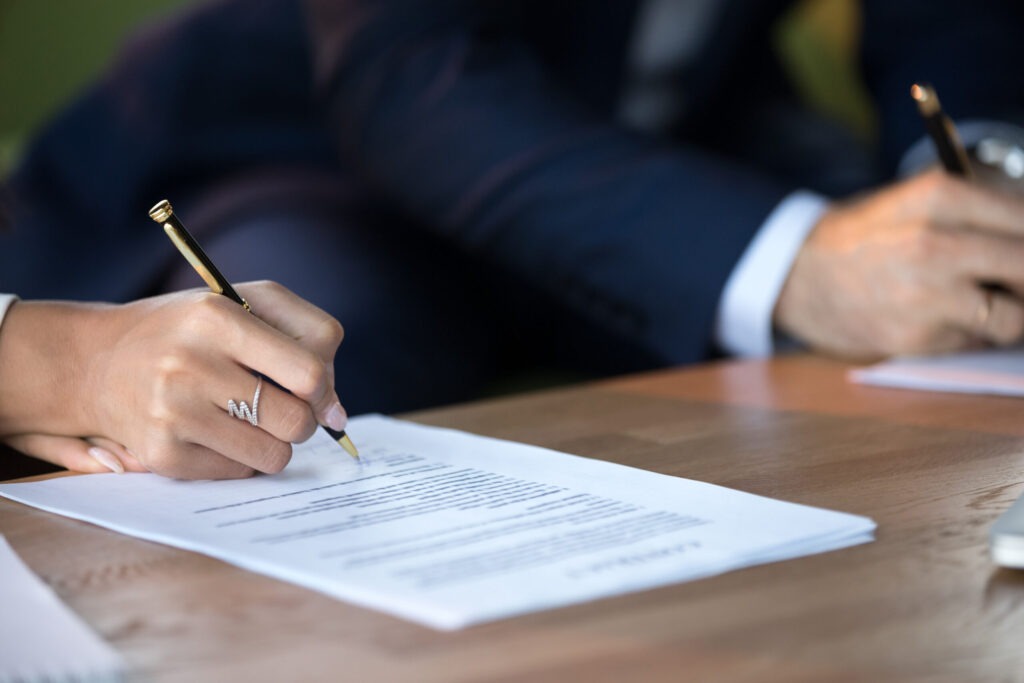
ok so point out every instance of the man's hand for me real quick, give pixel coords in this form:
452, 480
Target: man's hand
902, 270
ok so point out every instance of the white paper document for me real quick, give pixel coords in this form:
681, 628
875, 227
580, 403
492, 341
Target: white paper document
449, 529
40, 638
992, 371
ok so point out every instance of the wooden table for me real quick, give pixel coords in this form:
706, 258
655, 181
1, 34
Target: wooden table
922, 603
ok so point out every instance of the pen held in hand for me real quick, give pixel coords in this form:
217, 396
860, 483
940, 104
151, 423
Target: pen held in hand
941, 130
163, 214
952, 154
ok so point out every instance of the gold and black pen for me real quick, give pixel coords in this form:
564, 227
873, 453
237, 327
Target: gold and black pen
163, 214
941, 130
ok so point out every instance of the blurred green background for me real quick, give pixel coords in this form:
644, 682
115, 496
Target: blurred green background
49, 49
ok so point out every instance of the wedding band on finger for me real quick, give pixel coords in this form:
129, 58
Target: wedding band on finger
241, 409
984, 310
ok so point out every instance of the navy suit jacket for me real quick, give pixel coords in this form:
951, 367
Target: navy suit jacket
491, 122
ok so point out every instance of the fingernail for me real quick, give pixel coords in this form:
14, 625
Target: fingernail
336, 418
107, 459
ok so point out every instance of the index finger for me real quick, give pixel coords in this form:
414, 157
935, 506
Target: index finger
957, 202
986, 257
312, 329
301, 320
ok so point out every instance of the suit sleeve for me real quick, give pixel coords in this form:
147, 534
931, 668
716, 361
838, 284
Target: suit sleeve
452, 118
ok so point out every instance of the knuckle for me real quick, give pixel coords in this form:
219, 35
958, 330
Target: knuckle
171, 365
312, 380
207, 316
276, 456
212, 304
297, 422
271, 286
169, 374
329, 333
266, 291
264, 286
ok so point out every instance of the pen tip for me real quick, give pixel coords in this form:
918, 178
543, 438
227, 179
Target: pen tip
347, 444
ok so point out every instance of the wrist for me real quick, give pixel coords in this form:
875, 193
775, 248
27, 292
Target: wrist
798, 297
46, 349
744, 320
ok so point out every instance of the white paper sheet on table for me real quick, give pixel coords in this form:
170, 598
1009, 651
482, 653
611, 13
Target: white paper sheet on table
40, 638
992, 371
449, 529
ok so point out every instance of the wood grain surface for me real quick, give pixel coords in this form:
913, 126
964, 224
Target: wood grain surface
922, 603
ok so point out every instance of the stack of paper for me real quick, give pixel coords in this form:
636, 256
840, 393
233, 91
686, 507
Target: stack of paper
993, 371
450, 529
40, 638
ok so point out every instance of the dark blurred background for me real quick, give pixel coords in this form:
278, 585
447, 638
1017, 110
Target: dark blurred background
50, 49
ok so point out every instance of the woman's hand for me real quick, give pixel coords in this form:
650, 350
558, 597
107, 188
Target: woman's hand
156, 375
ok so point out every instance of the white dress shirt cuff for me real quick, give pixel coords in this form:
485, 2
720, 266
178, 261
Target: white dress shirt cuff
744, 324
5, 302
